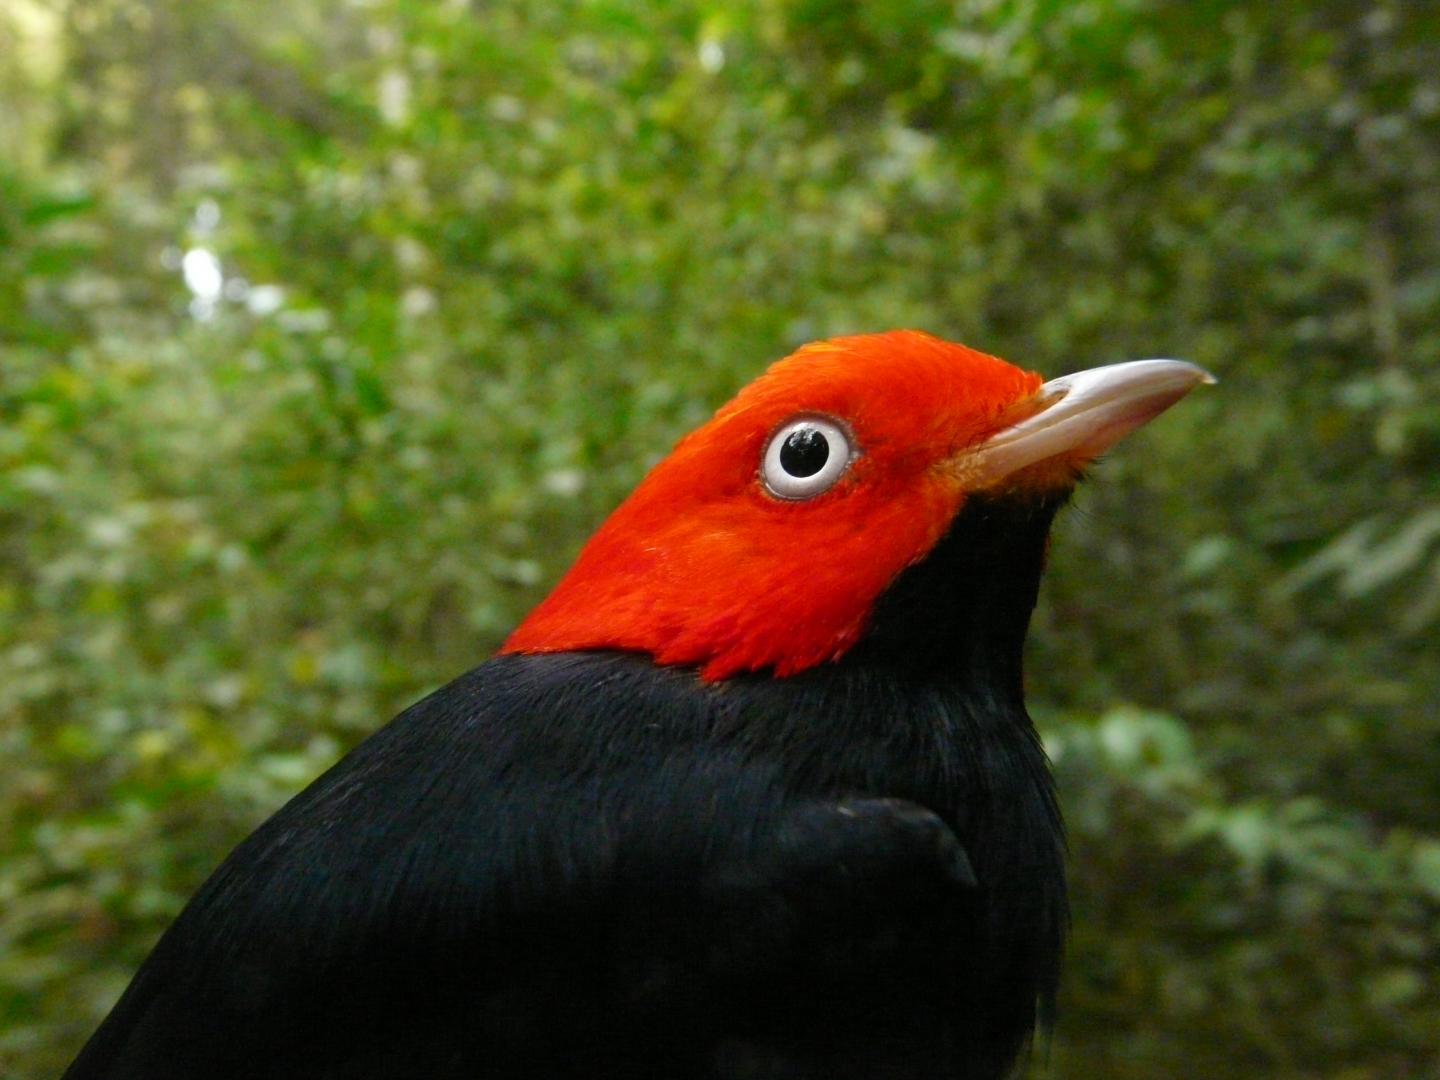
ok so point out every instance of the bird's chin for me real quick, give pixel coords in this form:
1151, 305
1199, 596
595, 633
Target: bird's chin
1055, 476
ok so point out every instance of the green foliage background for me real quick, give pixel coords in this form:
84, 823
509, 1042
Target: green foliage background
483, 262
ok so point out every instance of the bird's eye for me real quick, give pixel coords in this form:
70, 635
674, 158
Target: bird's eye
805, 457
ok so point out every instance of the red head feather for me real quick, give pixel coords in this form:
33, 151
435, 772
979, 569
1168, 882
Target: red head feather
703, 566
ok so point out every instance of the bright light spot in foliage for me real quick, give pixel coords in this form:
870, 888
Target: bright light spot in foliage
566, 483
203, 277
712, 55
207, 215
394, 97
417, 301
265, 299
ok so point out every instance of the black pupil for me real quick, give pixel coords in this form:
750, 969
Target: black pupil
805, 452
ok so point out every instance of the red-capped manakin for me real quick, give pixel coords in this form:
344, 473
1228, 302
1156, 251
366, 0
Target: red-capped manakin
752, 794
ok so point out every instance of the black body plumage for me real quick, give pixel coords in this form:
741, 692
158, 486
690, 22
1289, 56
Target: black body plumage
589, 865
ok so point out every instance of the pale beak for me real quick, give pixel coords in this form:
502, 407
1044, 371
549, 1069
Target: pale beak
1082, 415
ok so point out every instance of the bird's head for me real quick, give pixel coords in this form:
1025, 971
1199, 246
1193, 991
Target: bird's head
769, 535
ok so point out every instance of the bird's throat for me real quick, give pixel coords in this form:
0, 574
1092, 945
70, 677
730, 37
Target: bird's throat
963, 611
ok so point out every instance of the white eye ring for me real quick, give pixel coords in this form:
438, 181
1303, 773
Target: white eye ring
805, 458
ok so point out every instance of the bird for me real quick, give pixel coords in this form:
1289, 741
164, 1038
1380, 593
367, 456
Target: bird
752, 794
